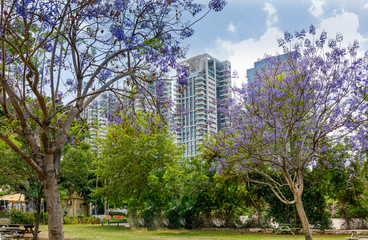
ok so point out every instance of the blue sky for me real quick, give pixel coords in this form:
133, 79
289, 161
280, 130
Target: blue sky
247, 29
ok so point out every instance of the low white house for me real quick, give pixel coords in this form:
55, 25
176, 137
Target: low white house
11, 201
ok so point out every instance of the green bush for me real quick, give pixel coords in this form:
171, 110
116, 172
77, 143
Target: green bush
44, 217
93, 220
70, 220
4, 215
81, 220
20, 217
113, 213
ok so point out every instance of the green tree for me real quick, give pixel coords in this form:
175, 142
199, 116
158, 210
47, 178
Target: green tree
73, 51
20, 177
200, 195
346, 184
76, 170
133, 162
314, 199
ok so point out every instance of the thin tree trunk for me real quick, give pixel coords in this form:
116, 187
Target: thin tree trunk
52, 196
303, 218
258, 210
37, 226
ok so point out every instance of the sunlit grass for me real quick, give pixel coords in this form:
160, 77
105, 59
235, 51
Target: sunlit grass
87, 232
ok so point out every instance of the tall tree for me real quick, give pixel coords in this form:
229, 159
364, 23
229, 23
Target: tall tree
134, 160
18, 176
71, 51
76, 170
295, 108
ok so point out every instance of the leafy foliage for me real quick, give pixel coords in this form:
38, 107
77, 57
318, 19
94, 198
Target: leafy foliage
314, 201
73, 51
21, 217
294, 108
134, 164
76, 169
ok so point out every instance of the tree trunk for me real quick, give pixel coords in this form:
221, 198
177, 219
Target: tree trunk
303, 218
52, 196
37, 226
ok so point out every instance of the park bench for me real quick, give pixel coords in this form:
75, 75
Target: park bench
110, 220
10, 233
355, 236
11, 236
285, 227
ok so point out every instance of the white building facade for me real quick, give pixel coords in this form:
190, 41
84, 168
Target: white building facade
198, 103
96, 114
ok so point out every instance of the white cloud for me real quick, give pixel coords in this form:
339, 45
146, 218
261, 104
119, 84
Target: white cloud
366, 6
272, 14
346, 23
242, 55
317, 8
231, 28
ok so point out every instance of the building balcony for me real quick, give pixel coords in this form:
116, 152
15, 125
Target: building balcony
200, 107
200, 82
201, 117
224, 94
199, 135
201, 76
177, 93
201, 125
225, 80
200, 93
201, 97
201, 88
200, 102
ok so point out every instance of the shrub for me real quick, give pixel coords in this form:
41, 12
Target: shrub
70, 220
44, 217
113, 213
81, 220
4, 215
20, 217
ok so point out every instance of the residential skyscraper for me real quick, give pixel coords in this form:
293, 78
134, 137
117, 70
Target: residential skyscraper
263, 64
103, 109
96, 114
197, 103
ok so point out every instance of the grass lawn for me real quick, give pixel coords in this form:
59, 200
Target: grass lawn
86, 232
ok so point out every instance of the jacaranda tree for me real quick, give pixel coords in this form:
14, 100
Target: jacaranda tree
292, 110
71, 51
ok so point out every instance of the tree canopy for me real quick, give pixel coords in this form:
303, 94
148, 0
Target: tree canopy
71, 51
296, 107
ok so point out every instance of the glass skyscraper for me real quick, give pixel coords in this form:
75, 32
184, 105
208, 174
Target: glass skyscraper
198, 103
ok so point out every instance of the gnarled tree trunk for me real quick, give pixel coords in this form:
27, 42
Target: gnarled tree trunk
303, 218
52, 196
299, 187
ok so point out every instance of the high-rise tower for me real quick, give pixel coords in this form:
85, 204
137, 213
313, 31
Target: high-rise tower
198, 102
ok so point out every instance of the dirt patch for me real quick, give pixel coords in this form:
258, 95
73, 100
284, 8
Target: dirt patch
41, 236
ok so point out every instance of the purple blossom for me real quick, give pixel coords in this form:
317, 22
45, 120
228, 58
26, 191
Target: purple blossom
298, 107
69, 81
121, 4
287, 36
339, 37
186, 32
95, 103
217, 5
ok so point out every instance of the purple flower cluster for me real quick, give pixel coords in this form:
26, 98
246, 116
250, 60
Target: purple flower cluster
85, 48
217, 5
298, 107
